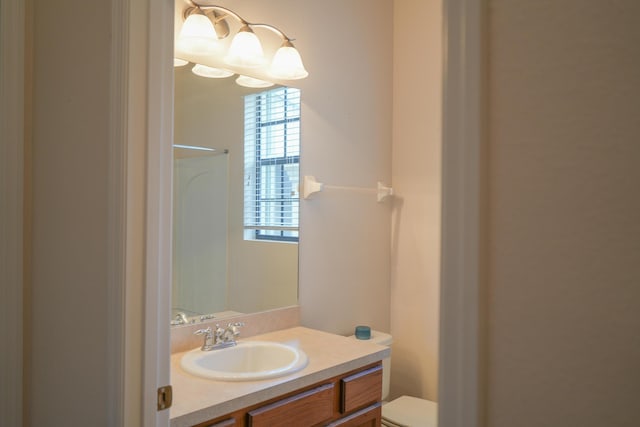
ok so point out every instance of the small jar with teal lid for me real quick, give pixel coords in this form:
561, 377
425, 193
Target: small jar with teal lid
363, 332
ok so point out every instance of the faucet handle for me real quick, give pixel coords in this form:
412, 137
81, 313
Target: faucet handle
181, 318
233, 328
219, 331
237, 324
208, 338
206, 332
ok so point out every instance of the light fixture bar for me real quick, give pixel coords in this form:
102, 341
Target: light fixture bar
238, 17
221, 9
274, 29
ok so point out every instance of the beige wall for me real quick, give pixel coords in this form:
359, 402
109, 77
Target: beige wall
66, 344
563, 214
417, 114
346, 141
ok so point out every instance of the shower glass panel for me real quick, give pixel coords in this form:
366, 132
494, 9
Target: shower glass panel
200, 204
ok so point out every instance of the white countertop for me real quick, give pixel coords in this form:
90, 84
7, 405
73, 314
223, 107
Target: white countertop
196, 399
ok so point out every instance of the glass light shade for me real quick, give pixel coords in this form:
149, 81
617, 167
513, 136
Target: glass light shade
247, 81
245, 50
197, 36
210, 72
287, 64
177, 62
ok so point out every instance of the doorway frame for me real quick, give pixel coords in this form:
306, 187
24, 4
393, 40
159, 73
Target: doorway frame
151, 30
12, 26
461, 311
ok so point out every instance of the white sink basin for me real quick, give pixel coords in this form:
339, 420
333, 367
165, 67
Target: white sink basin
247, 361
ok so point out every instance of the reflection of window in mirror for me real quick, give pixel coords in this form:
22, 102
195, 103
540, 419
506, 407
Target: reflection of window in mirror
272, 165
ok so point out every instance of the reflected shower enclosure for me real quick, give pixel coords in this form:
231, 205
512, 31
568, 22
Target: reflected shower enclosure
200, 229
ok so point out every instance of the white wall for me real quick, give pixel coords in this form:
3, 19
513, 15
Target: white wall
563, 236
417, 116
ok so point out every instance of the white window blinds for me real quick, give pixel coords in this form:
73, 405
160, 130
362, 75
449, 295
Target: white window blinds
271, 164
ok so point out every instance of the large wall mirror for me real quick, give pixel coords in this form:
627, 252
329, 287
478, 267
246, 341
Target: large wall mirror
222, 264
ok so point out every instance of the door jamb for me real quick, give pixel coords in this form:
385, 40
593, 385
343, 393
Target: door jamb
461, 328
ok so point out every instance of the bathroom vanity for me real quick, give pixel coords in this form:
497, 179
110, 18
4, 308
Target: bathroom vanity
340, 386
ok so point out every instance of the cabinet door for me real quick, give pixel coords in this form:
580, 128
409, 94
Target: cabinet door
305, 409
361, 389
367, 417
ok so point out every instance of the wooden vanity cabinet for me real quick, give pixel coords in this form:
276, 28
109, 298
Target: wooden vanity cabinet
348, 400
314, 406
371, 416
227, 422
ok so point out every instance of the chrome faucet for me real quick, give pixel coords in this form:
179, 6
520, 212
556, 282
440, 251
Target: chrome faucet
181, 319
220, 337
208, 338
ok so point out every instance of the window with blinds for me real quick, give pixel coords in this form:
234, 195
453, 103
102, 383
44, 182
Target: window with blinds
272, 164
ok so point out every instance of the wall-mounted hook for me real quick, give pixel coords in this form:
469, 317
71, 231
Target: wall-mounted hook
383, 192
310, 186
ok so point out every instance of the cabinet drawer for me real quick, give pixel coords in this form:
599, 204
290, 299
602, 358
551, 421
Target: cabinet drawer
314, 406
229, 422
367, 417
361, 389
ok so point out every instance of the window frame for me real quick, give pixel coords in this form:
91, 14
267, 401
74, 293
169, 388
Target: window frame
261, 232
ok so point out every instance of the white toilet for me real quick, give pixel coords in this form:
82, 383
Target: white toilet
405, 411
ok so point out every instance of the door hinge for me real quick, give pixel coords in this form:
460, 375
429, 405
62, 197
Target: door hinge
165, 397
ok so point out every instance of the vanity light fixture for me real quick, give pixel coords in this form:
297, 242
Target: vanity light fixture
287, 63
210, 72
204, 30
246, 49
177, 62
247, 81
197, 35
